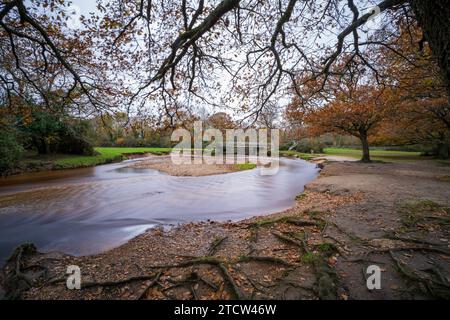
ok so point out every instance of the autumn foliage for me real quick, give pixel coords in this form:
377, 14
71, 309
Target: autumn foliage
409, 106
356, 111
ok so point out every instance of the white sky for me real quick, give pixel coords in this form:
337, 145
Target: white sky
85, 7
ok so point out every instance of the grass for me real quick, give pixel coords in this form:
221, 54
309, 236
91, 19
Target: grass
327, 248
108, 155
105, 155
292, 153
245, 166
378, 155
375, 155
310, 257
301, 196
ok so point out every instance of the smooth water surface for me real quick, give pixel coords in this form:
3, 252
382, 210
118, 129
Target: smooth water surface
85, 211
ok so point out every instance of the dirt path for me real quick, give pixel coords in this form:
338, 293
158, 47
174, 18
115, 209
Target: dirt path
354, 215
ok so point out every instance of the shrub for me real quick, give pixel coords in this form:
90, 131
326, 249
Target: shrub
10, 151
71, 143
304, 145
308, 145
49, 133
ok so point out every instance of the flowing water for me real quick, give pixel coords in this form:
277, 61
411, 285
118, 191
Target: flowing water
86, 211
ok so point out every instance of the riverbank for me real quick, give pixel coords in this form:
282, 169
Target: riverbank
38, 163
354, 215
165, 164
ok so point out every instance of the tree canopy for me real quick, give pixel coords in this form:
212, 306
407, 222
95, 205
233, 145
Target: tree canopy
241, 54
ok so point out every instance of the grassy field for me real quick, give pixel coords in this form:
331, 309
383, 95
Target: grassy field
375, 154
379, 155
106, 155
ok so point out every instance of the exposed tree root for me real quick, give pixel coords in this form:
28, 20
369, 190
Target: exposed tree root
412, 240
86, 285
90, 284
235, 289
215, 245
287, 219
220, 263
443, 220
265, 259
350, 235
412, 248
16, 281
301, 244
326, 278
151, 284
312, 252
438, 289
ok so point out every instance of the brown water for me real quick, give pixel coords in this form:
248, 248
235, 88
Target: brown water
86, 211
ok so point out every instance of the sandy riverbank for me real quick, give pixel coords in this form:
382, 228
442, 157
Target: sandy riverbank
354, 215
165, 164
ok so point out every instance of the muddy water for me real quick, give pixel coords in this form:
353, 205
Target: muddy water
85, 211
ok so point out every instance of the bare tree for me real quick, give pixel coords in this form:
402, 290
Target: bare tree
249, 51
43, 61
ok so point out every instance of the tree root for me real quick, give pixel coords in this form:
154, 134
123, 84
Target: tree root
15, 281
412, 240
220, 263
303, 223
301, 244
86, 285
286, 219
227, 276
437, 289
350, 235
412, 248
443, 220
265, 259
151, 284
215, 245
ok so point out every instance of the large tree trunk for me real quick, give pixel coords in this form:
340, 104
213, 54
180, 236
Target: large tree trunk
443, 147
41, 146
365, 147
443, 151
434, 19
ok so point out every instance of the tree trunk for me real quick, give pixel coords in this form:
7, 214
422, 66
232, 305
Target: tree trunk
443, 147
442, 151
365, 147
434, 19
41, 146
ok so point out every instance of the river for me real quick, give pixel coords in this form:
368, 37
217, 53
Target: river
89, 210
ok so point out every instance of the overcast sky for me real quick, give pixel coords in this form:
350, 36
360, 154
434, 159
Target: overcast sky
84, 7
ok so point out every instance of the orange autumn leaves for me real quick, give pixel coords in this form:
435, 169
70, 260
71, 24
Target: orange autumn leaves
409, 106
355, 110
